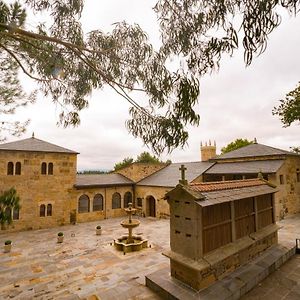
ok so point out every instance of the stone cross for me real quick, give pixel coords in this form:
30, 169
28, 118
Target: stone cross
183, 180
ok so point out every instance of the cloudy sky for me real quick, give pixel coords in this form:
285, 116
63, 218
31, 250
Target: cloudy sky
234, 103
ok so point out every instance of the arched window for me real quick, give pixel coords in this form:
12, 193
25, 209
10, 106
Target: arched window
10, 168
42, 210
49, 210
50, 169
83, 204
44, 168
18, 168
98, 202
116, 201
127, 199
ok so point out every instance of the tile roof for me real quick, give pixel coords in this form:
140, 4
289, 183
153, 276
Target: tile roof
34, 145
212, 198
246, 167
225, 191
170, 175
253, 150
225, 185
101, 180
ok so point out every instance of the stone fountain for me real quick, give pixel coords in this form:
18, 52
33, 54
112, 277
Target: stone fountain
129, 243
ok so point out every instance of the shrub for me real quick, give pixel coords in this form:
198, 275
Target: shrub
8, 242
60, 234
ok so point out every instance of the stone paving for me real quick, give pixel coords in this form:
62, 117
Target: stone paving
86, 266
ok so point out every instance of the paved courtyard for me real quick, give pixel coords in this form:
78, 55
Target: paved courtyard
86, 265
83, 265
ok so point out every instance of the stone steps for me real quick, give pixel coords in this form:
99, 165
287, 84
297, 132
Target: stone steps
233, 286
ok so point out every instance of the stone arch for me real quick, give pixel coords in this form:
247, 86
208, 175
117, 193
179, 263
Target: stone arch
150, 206
98, 202
127, 199
116, 200
83, 204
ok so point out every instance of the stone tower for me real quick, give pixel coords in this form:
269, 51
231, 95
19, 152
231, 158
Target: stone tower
208, 151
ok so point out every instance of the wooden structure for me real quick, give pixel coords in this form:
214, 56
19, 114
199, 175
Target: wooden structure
216, 227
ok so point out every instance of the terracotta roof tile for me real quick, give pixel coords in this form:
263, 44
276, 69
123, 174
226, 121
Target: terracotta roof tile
226, 185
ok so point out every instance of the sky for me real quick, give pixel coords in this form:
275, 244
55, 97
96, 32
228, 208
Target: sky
235, 102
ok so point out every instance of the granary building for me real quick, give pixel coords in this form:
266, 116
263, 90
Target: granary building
218, 226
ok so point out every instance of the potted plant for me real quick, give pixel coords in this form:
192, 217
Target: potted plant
98, 230
60, 237
7, 246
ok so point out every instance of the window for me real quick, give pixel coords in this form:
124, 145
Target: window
10, 168
139, 202
281, 179
98, 202
116, 201
83, 204
298, 175
44, 168
127, 199
49, 210
42, 210
8, 212
18, 168
50, 169
16, 214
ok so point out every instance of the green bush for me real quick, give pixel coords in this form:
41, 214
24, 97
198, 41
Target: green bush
60, 234
8, 242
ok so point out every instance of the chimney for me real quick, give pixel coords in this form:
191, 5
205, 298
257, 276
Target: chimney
208, 151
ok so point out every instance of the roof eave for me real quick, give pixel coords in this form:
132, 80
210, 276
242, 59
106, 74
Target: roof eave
87, 186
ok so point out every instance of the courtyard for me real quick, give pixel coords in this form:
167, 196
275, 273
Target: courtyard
86, 266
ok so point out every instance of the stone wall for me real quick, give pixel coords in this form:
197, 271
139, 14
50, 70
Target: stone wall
107, 212
36, 189
162, 206
139, 171
287, 199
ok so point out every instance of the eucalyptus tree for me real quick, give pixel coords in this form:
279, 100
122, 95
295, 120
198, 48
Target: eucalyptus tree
67, 64
201, 32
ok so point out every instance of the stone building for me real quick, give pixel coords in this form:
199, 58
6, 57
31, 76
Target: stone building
279, 167
51, 192
217, 227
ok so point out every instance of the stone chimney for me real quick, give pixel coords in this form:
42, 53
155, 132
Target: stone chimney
208, 151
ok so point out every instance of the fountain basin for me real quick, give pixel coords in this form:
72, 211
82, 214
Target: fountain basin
136, 243
132, 224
